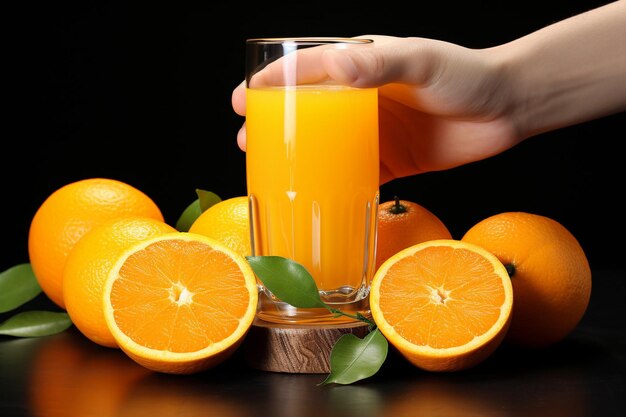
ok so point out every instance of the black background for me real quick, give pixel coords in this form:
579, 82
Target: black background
140, 92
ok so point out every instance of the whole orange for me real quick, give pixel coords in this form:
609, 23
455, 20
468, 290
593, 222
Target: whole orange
403, 223
89, 264
70, 212
227, 222
549, 271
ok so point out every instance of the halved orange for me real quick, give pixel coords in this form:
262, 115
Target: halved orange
444, 304
180, 302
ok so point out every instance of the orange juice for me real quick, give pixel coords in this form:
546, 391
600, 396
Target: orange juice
312, 177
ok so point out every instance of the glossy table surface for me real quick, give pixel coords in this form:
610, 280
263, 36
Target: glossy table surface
584, 375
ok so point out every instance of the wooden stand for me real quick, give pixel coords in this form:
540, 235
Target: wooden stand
294, 349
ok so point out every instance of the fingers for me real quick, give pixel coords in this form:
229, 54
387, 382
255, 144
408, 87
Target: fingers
238, 99
391, 60
241, 137
301, 66
388, 60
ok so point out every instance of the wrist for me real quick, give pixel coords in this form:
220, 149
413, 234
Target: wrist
567, 73
507, 65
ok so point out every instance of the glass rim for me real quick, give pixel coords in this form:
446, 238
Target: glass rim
309, 40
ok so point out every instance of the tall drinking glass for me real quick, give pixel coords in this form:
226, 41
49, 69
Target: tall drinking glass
312, 173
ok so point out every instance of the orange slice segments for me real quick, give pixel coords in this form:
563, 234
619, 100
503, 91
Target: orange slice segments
444, 304
180, 302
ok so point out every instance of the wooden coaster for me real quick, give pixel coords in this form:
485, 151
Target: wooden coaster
301, 349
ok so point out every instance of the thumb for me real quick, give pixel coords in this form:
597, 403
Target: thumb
403, 60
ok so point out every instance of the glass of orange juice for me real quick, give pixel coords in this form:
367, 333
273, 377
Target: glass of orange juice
312, 172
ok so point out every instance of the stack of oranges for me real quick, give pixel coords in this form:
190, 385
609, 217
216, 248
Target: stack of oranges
181, 302
175, 302
447, 304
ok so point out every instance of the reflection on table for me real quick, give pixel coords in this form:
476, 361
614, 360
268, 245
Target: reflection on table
67, 375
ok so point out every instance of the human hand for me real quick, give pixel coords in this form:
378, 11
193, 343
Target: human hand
440, 105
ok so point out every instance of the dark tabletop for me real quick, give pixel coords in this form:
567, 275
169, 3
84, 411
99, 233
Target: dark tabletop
584, 375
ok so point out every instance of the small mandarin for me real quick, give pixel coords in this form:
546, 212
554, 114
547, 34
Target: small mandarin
403, 223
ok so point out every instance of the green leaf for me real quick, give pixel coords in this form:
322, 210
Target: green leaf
287, 280
353, 359
190, 214
205, 200
18, 285
35, 324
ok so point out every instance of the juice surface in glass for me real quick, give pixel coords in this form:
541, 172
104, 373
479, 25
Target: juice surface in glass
312, 177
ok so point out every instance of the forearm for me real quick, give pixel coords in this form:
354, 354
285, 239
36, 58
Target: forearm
570, 72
